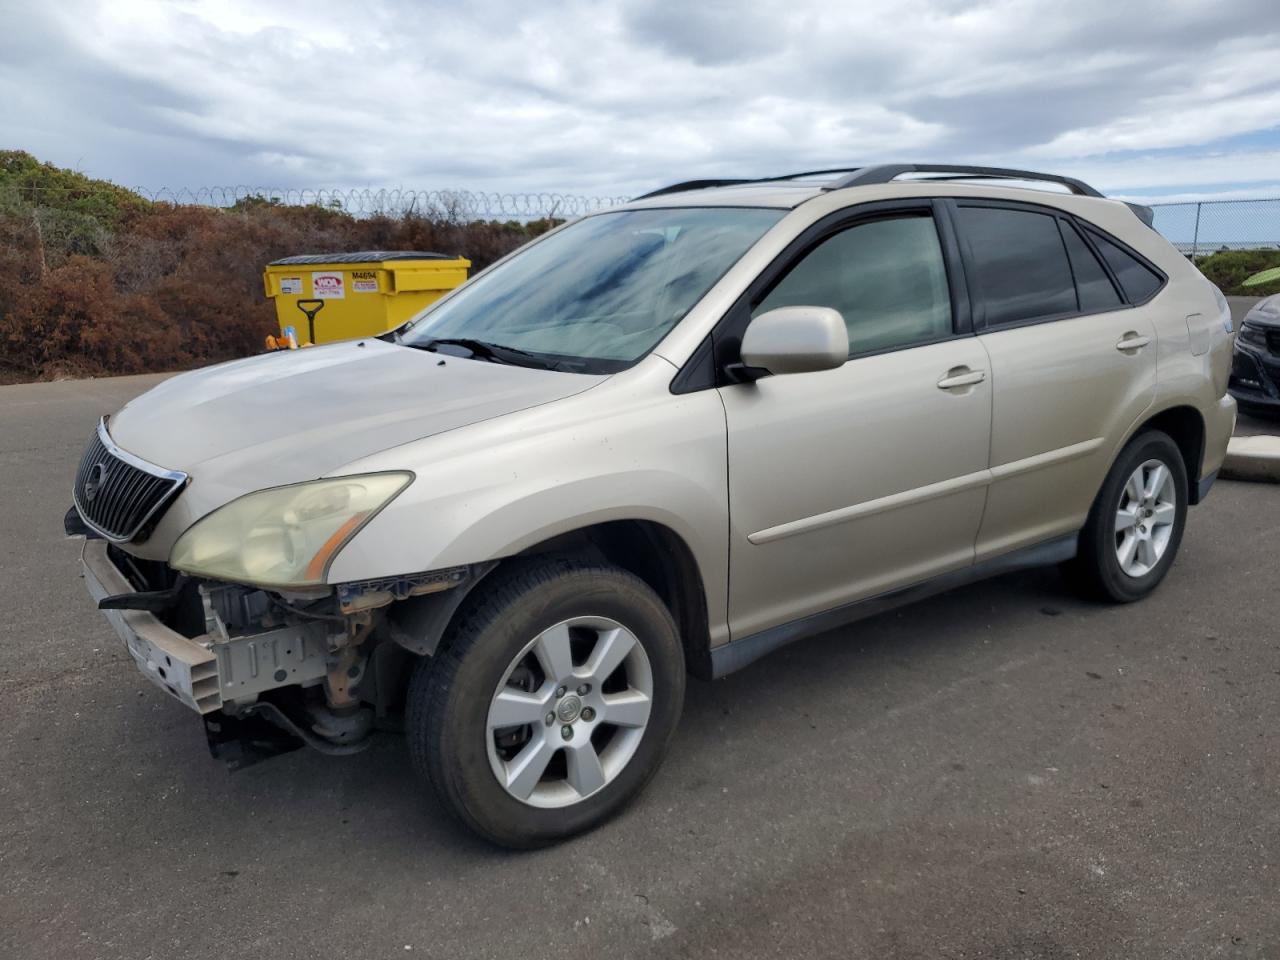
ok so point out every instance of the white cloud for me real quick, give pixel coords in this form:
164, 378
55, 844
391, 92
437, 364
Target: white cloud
614, 98
1144, 173
1237, 94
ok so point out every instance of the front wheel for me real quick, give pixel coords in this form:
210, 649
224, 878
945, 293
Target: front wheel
551, 703
1135, 525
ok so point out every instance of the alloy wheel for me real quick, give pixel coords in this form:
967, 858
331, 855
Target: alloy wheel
570, 712
1145, 517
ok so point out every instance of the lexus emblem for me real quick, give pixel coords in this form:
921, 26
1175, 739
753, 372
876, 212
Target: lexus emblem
569, 708
93, 482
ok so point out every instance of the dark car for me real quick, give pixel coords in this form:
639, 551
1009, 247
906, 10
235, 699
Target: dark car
1255, 367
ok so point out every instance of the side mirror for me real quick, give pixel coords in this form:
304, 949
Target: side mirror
796, 340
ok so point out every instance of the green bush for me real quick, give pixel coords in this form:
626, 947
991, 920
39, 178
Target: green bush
1228, 269
24, 180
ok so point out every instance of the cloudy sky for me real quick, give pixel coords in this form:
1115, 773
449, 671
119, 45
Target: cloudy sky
1163, 100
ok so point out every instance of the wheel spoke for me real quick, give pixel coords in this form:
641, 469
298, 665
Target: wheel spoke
583, 765
1147, 553
1128, 546
1156, 480
554, 653
627, 709
1134, 486
1126, 517
526, 768
514, 708
1164, 514
612, 647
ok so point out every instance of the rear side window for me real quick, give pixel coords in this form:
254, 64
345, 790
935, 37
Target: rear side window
1020, 262
1138, 281
886, 277
1097, 292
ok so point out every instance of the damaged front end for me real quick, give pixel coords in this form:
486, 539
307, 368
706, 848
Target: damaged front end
271, 670
293, 660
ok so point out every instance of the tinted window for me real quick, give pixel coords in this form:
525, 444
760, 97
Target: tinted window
1020, 262
886, 278
1095, 289
1138, 281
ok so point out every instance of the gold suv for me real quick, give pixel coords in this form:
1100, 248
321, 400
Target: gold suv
663, 439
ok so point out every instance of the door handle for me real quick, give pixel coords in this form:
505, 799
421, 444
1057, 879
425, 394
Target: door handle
961, 377
1132, 341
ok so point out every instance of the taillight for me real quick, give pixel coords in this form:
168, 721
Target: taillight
1224, 308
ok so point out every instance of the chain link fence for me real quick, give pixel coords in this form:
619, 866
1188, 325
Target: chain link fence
1195, 228
1211, 225
456, 205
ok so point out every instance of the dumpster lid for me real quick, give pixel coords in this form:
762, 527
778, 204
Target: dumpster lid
361, 256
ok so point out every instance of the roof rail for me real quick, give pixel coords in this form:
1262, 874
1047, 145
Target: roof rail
690, 185
885, 173
810, 173
705, 184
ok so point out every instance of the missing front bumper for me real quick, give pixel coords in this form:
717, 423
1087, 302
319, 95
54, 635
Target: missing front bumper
182, 667
206, 672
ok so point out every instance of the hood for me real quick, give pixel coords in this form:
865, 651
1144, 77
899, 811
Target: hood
1266, 312
300, 414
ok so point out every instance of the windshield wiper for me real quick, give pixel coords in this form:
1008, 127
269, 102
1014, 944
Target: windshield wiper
493, 352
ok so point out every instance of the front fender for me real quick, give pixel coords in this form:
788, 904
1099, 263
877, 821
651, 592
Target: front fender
495, 489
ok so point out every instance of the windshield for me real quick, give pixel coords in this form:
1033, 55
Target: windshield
599, 294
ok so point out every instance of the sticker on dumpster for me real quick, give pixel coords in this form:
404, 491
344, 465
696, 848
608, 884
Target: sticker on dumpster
364, 281
290, 284
327, 286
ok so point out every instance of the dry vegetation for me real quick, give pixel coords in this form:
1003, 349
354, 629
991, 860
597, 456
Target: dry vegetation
95, 280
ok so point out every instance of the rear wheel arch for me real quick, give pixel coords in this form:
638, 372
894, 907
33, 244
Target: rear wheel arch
1185, 426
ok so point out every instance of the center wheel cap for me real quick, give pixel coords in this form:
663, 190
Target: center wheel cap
569, 708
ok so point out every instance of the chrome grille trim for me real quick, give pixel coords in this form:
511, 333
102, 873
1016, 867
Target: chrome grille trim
130, 493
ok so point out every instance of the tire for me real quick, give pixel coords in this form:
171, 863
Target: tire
1099, 568
506, 651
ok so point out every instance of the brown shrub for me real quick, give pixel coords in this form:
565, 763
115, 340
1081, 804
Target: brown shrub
70, 322
171, 287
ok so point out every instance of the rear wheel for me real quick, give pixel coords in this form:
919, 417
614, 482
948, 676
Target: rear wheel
1135, 525
552, 702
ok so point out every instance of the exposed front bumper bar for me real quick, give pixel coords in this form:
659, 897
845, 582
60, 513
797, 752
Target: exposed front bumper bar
185, 668
215, 668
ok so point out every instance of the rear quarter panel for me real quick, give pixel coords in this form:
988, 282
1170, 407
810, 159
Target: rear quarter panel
1195, 342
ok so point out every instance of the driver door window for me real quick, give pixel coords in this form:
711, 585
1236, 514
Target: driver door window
885, 277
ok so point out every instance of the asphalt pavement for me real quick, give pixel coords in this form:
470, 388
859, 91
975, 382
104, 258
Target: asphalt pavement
1004, 771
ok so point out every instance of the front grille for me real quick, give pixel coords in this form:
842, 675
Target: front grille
119, 495
1273, 342
1270, 372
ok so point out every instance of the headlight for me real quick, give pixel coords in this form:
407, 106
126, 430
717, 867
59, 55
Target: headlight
1254, 336
285, 536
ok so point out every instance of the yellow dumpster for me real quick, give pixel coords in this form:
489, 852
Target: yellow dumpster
338, 296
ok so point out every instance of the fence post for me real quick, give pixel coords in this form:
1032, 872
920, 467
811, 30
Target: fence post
1195, 236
